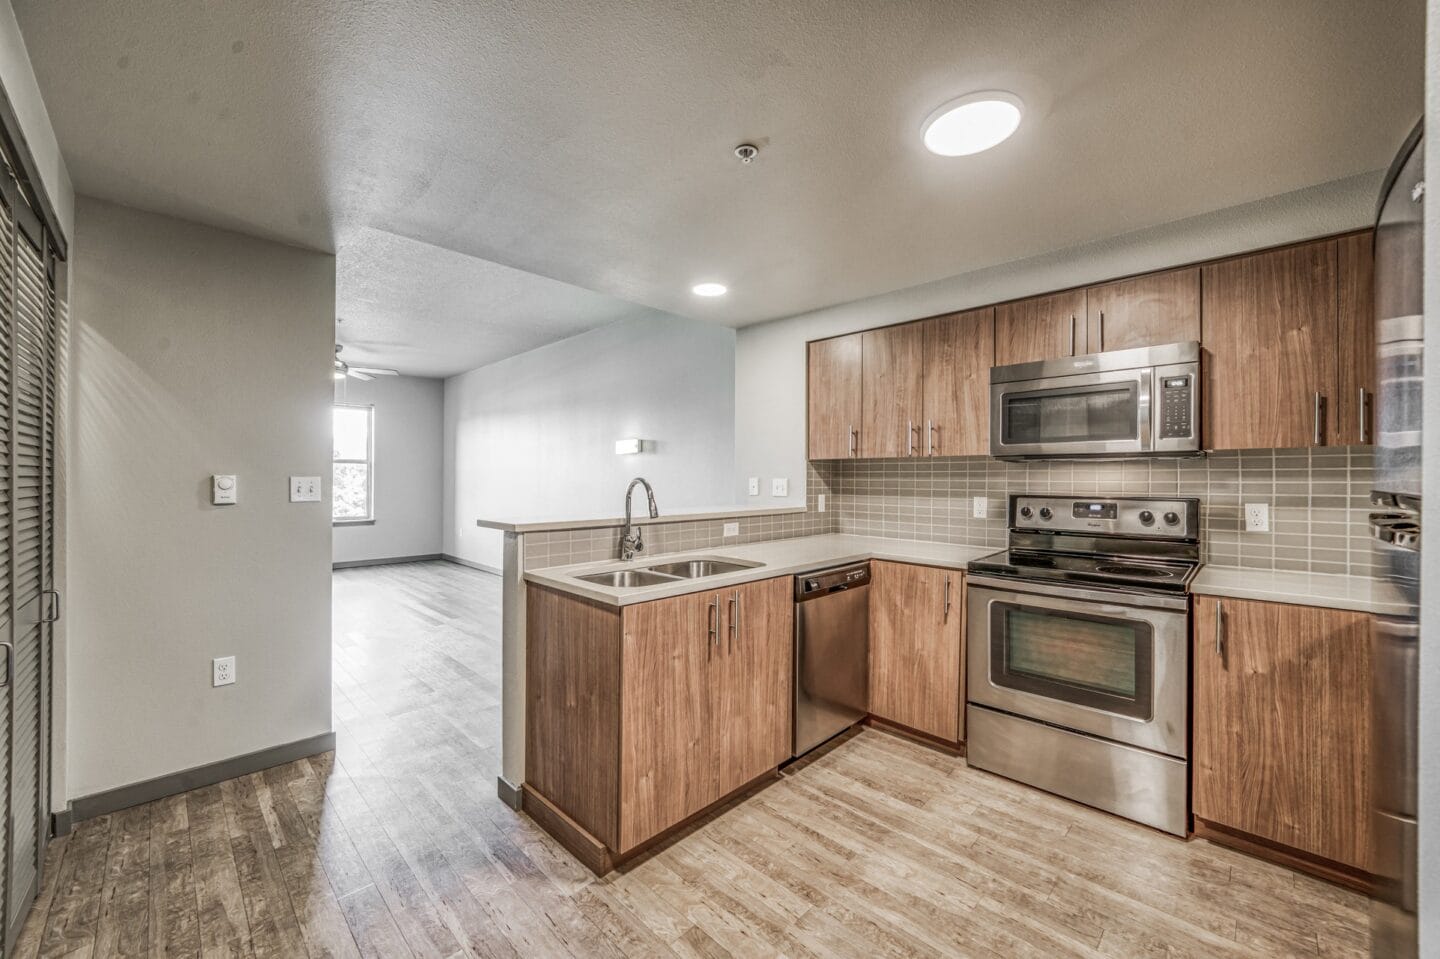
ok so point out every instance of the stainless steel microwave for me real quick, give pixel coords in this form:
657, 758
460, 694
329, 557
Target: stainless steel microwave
1141, 402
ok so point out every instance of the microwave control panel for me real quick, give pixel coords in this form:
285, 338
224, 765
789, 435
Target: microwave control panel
1176, 406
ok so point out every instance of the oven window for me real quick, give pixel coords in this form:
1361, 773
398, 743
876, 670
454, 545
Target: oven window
1077, 415
1096, 661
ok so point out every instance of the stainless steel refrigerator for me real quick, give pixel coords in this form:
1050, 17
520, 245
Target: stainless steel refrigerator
1396, 524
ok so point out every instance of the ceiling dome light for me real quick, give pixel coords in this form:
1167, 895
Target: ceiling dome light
974, 122
709, 289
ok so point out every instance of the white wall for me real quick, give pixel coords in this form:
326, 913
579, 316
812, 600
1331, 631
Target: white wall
195, 351
770, 357
408, 456
534, 435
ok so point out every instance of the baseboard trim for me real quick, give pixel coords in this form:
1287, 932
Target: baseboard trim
472, 564
123, 797
509, 793
916, 736
62, 822
385, 561
1339, 873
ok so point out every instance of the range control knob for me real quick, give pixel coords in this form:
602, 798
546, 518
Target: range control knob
1026, 512
1045, 512
1147, 518
1172, 519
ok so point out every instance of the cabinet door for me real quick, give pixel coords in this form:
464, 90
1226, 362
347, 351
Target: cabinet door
1040, 328
750, 674
1269, 331
1144, 311
665, 769
915, 647
834, 397
1282, 724
959, 351
892, 384
1355, 383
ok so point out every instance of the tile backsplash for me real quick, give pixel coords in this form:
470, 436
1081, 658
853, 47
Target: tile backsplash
1318, 498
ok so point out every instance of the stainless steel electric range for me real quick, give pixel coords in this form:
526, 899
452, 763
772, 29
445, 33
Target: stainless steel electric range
1079, 653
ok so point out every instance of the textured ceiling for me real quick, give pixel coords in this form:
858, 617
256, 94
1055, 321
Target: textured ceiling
590, 142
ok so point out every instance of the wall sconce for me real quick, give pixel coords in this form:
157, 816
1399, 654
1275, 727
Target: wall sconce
632, 445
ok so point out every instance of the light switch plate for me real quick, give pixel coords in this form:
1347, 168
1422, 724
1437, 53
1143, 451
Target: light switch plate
754, 486
304, 489
979, 507
779, 487
222, 489
1257, 517
731, 529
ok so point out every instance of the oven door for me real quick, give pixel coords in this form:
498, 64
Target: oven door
1089, 414
1107, 663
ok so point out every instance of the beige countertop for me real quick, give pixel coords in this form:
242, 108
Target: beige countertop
1330, 590
784, 557
541, 524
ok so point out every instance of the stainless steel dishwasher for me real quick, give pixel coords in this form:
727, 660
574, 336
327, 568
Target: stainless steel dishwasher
832, 653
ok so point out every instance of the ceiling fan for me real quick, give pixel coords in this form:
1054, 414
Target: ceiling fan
343, 369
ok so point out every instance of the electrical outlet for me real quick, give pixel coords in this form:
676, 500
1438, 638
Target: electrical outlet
779, 487
304, 489
731, 529
820, 502
979, 507
754, 486
223, 669
1257, 517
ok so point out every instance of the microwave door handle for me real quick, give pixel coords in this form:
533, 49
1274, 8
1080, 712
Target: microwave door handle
1147, 411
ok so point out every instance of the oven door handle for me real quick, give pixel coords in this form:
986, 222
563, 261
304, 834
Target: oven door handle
1116, 601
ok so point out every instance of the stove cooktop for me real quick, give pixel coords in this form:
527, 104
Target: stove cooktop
1114, 571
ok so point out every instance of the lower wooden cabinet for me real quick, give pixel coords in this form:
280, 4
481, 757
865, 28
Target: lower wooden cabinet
917, 675
638, 718
1282, 725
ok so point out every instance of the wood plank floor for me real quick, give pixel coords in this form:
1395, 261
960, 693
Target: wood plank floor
397, 846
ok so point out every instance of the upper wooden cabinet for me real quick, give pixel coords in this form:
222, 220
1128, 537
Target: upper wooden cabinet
916, 648
959, 351
834, 398
1282, 725
1041, 328
1355, 386
892, 390
1149, 310
1270, 335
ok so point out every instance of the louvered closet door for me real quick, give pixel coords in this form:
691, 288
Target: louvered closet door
30, 359
7, 293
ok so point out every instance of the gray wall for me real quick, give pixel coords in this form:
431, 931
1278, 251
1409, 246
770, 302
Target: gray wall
534, 435
195, 351
770, 357
408, 456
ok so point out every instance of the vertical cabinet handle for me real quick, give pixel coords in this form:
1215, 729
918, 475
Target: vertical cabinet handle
713, 622
1364, 416
734, 618
910, 438
1102, 332
1319, 419
1072, 336
853, 441
1219, 629
947, 599
929, 438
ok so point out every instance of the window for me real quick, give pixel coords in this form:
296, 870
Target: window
353, 497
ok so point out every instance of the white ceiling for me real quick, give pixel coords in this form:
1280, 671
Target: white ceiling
591, 142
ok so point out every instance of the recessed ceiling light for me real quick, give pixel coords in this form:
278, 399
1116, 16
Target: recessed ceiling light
972, 123
709, 289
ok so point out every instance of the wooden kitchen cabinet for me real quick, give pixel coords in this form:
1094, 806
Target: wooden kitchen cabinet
834, 398
1270, 334
1041, 328
640, 717
959, 350
1281, 726
1150, 310
892, 391
1355, 386
916, 648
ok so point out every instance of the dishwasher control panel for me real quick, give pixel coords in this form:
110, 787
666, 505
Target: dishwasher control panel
829, 580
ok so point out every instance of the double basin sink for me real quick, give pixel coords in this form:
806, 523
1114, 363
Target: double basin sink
662, 573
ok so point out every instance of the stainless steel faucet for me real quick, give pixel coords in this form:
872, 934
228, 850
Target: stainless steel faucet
630, 541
